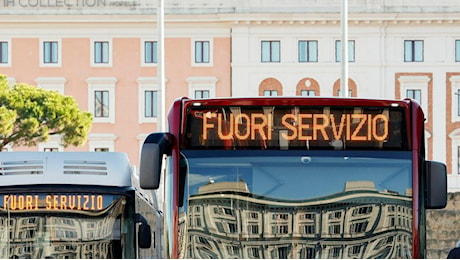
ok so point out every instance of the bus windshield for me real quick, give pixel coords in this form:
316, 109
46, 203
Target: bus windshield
65, 225
298, 204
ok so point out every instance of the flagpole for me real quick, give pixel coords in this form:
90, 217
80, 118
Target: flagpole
344, 48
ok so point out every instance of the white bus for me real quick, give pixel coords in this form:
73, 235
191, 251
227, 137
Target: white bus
75, 205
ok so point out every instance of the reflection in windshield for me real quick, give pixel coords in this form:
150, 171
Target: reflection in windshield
45, 230
314, 205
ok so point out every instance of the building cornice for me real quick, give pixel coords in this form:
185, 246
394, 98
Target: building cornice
242, 19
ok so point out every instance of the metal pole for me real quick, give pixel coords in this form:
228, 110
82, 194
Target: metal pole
161, 125
344, 48
161, 68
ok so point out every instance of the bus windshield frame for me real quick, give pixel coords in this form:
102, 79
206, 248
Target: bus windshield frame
281, 206
54, 223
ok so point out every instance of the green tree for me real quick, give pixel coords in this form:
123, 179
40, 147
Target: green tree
29, 115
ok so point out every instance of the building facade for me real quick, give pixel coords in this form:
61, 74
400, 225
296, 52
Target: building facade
103, 52
358, 222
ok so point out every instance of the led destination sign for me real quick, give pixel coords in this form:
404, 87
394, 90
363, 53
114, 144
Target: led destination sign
295, 127
52, 202
299, 126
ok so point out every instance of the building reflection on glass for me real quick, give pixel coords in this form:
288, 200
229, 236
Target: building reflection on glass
225, 220
47, 234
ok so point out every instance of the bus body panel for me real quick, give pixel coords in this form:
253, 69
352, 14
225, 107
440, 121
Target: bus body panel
79, 168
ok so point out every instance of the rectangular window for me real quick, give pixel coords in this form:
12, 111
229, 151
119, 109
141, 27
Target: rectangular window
310, 216
458, 160
415, 94
150, 50
151, 101
270, 93
270, 51
307, 253
458, 102
4, 52
50, 149
233, 250
220, 227
253, 229
351, 51
203, 241
232, 228
101, 52
280, 229
50, 52
309, 229
334, 252
308, 93
413, 51
228, 211
101, 104
201, 94
334, 229
202, 52
253, 252
358, 227
457, 50
355, 250
281, 216
335, 215
308, 51
392, 222
283, 252
253, 215
365, 210
350, 93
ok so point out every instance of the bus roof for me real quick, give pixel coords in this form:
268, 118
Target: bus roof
296, 101
76, 168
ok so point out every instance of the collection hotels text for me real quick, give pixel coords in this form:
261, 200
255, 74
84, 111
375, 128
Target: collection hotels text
68, 3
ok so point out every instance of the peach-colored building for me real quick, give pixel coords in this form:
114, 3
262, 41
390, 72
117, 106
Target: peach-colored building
108, 63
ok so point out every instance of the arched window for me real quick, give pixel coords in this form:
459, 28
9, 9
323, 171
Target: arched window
270, 87
307, 87
352, 89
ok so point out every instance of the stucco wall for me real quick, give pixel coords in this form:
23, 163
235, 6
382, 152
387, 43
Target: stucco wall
443, 228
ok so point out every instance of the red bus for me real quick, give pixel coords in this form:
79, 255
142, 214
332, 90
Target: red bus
278, 177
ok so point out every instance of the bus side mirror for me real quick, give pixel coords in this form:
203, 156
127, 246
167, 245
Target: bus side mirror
436, 183
155, 146
144, 235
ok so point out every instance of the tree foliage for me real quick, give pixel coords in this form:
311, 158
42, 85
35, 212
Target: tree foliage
29, 115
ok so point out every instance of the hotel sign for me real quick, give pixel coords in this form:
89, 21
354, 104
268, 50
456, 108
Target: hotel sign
63, 3
77, 6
